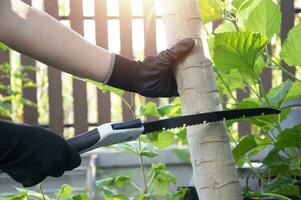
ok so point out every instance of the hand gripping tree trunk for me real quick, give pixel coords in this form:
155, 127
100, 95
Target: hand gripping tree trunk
214, 173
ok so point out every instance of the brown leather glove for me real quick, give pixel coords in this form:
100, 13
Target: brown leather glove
153, 77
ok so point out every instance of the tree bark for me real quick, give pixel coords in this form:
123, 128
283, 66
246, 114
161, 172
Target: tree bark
214, 172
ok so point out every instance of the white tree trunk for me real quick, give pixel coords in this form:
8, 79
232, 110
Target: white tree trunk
214, 172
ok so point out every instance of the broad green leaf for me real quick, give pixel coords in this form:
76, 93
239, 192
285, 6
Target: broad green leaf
20, 196
33, 194
244, 146
81, 196
211, 10
291, 49
148, 151
259, 65
265, 18
164, 139
162, 179
226, 26
277, 94
241, 4
294, 92
65, 193
117, 181
289, 138
112, 195
283, 185
183, 154
249, 145
178, 195
132, 147
170, 110
238, 50
105, 88
149, 109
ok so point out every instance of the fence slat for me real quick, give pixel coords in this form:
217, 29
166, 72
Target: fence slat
30, 115
56, 113
101, 28
126, 45
288, 21
150, 46
79, 87
30, 112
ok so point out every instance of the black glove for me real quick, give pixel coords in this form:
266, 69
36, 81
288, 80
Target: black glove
154, 76
29, 154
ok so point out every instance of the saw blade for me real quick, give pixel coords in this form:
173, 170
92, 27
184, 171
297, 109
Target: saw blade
203, 118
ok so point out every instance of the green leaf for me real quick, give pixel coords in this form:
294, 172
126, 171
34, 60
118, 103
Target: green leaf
112, 195
241, 4
170, 110
265, 18
105, 88
117, 181
291, 49
211, 10
164, 139
246, 145
148, 151
184, 155
238, 50
162, 179
134, 147
149, 109
65, 193
294, 92
283, 185
178, 195
226, 26
277, 94
81, 196
289, 138
20, 196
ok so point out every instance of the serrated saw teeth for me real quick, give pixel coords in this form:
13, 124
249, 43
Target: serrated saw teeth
206, 118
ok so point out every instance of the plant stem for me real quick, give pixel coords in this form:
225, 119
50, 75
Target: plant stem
226, 85
132, 108
254, 171
42, 192
136, 186
289, 73
263, 92
284, 70
142, 168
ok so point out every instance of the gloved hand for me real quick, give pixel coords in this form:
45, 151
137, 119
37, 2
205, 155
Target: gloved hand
152, 77
29, 154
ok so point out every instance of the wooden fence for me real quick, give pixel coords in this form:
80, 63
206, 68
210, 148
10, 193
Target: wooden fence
125, 17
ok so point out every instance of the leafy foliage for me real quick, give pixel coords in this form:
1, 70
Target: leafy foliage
237, 50
265, 19
291, 48
240, 55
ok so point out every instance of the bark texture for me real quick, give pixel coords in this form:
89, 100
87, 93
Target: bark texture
215, 176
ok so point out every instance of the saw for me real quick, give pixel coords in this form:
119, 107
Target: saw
114, 133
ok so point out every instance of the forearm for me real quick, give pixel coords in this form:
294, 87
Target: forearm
38, 35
